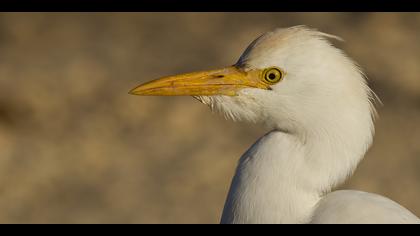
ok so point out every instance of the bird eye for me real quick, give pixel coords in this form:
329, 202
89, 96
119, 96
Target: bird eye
272, 75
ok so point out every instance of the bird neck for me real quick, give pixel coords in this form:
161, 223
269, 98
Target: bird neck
282, 176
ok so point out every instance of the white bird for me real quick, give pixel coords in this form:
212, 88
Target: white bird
319, 107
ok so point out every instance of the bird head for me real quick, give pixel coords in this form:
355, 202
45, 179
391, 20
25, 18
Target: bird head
291, 79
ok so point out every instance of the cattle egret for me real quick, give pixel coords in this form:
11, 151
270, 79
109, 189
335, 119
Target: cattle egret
319, 107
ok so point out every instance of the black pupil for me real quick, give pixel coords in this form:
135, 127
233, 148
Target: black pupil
271, 76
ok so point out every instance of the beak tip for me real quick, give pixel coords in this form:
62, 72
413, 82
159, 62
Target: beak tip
134, 91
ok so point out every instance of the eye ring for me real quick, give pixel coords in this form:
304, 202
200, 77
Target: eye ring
273, 75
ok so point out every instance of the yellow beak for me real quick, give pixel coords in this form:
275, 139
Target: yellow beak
227, 81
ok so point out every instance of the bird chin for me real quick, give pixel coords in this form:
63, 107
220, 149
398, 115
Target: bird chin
232, 108
202, 99
216, 104
206, 100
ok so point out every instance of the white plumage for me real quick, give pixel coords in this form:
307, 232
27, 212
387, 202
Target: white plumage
322, 120
321, 116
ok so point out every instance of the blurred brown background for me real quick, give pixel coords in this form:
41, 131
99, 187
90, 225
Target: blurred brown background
76, 148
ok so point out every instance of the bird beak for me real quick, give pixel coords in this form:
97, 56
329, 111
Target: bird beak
227, 81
